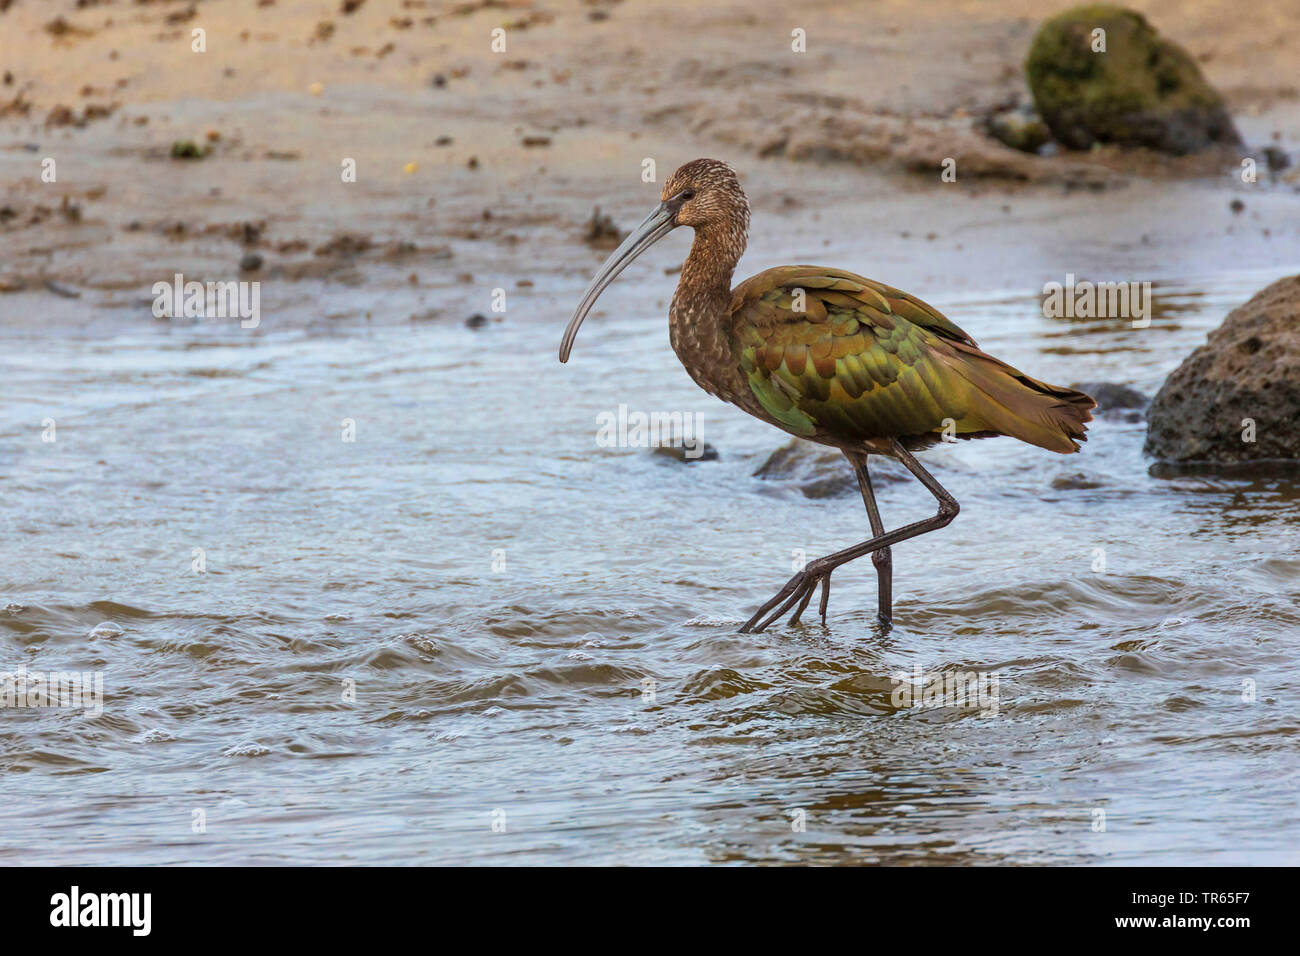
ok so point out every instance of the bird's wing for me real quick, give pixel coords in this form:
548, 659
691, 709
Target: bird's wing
828, 352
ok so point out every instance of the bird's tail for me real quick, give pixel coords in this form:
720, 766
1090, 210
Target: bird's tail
1004, 400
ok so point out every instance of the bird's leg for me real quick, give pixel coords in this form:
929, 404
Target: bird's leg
882, 559
802, 584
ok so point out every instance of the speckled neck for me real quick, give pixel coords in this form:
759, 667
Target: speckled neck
699, 325
713, 257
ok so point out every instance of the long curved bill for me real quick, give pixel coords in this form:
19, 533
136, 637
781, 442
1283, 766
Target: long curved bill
656, 225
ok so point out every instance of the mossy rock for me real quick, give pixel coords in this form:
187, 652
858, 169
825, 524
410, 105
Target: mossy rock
188, 149
1020, 129
1143, 90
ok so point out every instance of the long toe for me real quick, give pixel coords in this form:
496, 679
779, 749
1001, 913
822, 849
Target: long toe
797, 593
803, 605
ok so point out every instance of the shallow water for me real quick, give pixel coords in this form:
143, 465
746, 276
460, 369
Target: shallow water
542, 633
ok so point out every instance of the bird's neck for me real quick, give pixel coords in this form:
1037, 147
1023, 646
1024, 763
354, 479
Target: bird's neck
698, 326
713, 257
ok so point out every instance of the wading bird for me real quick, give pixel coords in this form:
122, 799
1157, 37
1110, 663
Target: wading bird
834, 358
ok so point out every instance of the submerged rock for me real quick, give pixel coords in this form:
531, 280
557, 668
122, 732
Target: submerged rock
1076, 481
687, 455
1277, 159
1115, 400
821, 472
1236, 399
1140, 90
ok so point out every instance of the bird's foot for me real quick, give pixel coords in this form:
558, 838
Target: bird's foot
798, 589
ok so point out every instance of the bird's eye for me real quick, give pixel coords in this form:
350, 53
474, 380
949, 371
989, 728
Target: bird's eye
686, 194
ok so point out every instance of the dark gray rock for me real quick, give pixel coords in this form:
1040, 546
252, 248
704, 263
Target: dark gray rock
821, 472
1277, 159
679, 453
1115, 400
1076, 481
1243, 383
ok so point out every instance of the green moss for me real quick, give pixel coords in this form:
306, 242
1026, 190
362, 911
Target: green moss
1018, 129
1143, 90
188, 149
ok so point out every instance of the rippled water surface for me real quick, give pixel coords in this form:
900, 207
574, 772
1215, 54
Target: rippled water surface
541, 633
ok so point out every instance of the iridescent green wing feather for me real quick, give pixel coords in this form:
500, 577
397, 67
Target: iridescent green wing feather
823, 348
830, 354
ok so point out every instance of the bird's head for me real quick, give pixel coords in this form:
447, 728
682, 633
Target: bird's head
703, 194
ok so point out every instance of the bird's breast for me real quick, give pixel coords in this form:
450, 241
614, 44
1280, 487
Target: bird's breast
702, 342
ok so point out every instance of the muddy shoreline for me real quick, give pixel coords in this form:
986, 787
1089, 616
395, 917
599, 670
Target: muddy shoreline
478, 171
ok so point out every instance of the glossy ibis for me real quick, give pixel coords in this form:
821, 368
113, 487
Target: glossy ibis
834, 358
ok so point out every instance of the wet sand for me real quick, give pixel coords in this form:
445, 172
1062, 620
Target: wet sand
512, 151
